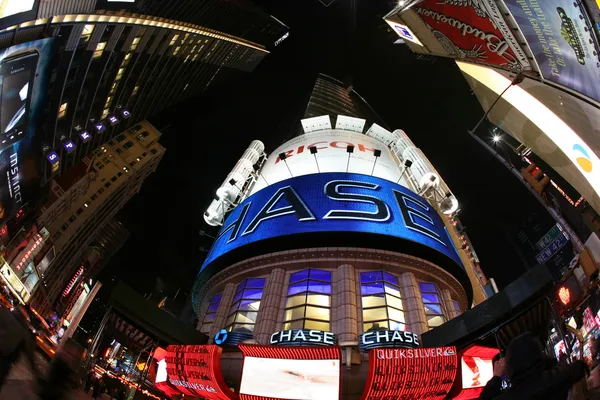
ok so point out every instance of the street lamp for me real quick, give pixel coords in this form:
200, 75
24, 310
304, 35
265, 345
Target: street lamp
496, 138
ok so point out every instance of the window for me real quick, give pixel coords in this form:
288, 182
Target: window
309, 300
62, 111
119, 174
118, 150
87, 32
382, 306
104, 113
94, 197
79, 211
99, 50
120, 138
113, 179
211, 312
135, 90
128, 145
432, 300
173, 40
456, 308
142, 135
134, 44
107, 185
246, 302
73, 218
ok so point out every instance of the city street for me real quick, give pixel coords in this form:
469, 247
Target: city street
20, 383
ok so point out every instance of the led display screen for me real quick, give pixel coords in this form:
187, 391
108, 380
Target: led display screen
13, 12
23, 81
353, 206
476, 371
291, 379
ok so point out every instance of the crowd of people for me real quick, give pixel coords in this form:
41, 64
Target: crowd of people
532, 374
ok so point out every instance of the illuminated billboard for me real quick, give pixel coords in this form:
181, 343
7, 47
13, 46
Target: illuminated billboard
291, 379
559, 128
331, 156
23, 81
294, 373
561, 42
424, 373
13, 12
475, 32
352, 209
404, 32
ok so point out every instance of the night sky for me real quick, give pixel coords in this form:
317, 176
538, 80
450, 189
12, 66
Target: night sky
204, 137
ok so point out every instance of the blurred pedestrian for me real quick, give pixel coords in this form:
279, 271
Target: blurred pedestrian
493, 388
15, 340
533, 375
61, 376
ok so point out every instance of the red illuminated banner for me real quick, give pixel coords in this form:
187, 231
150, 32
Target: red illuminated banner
196, 371
411, 374
474, 32
293, 373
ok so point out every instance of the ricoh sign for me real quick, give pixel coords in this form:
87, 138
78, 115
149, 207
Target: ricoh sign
331, 156
357, 207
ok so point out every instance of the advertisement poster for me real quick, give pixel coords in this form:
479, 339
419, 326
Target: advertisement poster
475, 32
13, 12
561, 43
23, 82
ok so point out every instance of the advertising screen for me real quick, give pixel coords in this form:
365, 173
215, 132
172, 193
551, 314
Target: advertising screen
353, 209
23, 81
424, 373
291, 379
331, 157
475, 32
13, 12
562, 44
476, 372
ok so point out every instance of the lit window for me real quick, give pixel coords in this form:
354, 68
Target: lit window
456, 308
308, 304
87, 32
381, 301
432, 300
134, 44
211, 312
176, 50
62, 111
245, 304
99, 50
135, 90
119, 74
195, 57
174, 40
108, 101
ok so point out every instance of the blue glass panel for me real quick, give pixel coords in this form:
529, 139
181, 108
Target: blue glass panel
298, 288
371, 288
237, 296
255, 294
255, 283
319, 287
298, 276
241, 285
370, 276
216, 298
213, 308
430, 298
390, 278
320, 275
427, 287
433, 309
209, 317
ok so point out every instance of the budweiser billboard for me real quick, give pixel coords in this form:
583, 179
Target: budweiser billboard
426, 373
473, 32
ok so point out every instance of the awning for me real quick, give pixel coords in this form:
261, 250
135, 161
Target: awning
520, 307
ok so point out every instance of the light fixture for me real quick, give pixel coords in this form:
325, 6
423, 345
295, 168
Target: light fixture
496, 138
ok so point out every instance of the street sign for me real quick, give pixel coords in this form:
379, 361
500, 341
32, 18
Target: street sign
548, 238
552, 248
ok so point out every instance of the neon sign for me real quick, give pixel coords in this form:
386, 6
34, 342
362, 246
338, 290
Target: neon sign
564, 294
299, 337
411, 373
72, 281
34, 247
385, 338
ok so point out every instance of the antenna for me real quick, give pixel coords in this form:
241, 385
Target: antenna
349, 150
313, 151
283, 157
376, 154
407, 165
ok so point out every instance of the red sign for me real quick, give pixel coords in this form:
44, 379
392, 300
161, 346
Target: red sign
564, 295
411, 374
474, 32
196, 371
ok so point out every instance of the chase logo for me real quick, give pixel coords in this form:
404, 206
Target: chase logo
404, 32
582, 157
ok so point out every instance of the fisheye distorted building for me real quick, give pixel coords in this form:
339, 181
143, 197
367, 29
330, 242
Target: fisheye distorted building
346, 228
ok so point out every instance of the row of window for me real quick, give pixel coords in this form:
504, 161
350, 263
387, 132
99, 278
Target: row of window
308, 303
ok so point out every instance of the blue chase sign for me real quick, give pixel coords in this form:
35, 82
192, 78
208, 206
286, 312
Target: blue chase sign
334, 204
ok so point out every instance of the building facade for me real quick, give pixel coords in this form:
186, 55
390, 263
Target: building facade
114, 173
346, 228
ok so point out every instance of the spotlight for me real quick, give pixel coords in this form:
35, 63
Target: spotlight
496, 138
